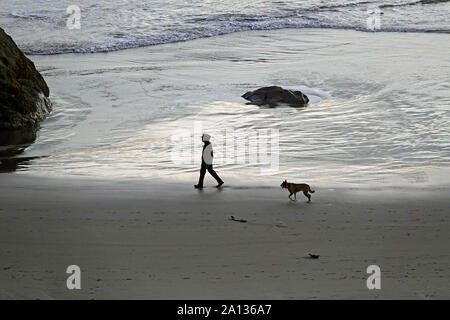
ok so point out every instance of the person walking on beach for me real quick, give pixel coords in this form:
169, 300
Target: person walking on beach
207, 159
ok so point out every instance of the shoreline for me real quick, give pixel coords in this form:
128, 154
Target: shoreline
156, 240
235, 181
438, 32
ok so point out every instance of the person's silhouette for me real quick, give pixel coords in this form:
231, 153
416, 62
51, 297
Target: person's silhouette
207, 157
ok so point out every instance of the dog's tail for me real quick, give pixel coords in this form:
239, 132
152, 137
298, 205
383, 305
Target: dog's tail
311, 190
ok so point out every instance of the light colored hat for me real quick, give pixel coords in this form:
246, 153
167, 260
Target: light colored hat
206, 137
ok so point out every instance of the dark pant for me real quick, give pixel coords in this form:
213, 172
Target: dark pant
210, 169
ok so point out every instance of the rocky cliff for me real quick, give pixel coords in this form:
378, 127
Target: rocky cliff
24, 94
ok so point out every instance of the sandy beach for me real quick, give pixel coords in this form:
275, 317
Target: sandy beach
105, 181
159, 240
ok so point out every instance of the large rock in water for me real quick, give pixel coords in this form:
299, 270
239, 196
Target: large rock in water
24, 94
275, 95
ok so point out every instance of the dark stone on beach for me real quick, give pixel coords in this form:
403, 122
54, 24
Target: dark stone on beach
24, 95
276, 95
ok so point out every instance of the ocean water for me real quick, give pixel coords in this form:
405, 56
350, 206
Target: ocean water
40, 26
380, 101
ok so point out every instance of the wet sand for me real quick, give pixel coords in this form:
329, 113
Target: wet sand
165, 240
378, 115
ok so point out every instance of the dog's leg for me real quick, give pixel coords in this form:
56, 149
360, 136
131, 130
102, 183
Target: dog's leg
307, 195
295, 196
290, 196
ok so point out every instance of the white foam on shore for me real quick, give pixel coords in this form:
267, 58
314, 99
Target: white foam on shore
109, 26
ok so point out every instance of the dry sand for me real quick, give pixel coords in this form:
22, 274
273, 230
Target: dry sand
154, 240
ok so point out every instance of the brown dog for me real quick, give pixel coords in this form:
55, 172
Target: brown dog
293, 188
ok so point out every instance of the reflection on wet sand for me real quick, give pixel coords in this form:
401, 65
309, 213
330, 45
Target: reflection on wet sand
12, 144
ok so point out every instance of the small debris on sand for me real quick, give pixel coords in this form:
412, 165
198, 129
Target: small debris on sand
232, 218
